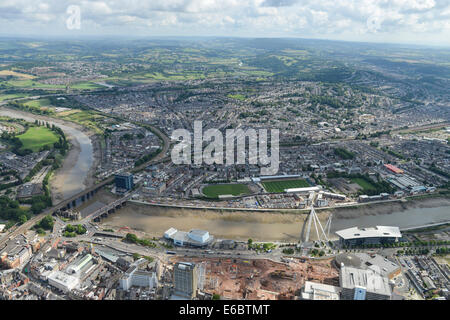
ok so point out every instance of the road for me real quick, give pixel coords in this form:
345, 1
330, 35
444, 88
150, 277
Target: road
181, 252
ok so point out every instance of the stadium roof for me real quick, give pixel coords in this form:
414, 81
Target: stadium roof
373, 232
306, 189
286, 176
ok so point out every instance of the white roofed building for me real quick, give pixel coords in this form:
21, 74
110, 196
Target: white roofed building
372, 235
169, 233
195, 238
135, 277
303, 190
62, 281
320, 291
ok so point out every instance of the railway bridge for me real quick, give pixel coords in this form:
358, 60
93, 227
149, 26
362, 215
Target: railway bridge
108, 209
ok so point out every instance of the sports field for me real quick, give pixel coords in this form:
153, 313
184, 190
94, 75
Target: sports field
363, 184
37, 137
279, 186
214, 190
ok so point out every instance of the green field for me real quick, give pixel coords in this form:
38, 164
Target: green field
280, 186
215, 190
32, 84
85, 86
240, 97
37, 103
88, 119
37, 137
363, 184
11, 96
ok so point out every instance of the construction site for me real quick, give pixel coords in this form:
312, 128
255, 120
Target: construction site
260, 279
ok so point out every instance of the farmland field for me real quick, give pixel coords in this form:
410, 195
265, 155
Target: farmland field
88, 119
15, 74
215, 190
12, 96
240, 97
37, 137
37, 103
85, 86
279, 186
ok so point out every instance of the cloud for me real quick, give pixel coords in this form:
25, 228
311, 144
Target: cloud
342, 19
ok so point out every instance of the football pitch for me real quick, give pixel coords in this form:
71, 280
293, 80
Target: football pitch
280, 186
215, 190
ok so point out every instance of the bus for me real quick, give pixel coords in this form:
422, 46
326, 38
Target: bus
171, 252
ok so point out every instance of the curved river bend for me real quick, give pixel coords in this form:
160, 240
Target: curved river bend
73, 178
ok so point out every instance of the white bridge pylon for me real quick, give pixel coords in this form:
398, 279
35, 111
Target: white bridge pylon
321, 235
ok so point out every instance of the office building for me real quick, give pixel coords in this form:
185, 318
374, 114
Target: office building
185, 280
359, 284
124, 181
137, 278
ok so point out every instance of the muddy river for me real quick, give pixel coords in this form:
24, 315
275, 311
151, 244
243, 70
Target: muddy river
71, 178
268, 226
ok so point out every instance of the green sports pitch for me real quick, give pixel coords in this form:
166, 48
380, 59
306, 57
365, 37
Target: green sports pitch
215, 190
37, 137
281, 185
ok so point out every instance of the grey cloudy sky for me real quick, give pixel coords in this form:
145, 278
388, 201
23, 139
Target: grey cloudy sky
402, 21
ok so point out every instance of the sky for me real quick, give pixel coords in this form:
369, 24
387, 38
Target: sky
425, 22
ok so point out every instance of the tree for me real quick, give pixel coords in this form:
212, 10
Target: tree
37, 207
46, 223
22, 219
131, 237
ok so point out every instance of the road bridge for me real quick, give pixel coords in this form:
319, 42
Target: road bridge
106, 210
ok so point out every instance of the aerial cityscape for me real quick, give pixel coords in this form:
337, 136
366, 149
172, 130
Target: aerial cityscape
206, 167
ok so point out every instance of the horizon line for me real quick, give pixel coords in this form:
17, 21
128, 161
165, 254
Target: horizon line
198, 37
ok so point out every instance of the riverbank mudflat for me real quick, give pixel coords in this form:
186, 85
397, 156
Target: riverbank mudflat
272, 225
61, 185
59, 179
238, 225
390, 207
78, 166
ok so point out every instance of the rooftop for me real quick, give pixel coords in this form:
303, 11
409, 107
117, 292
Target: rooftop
352, 277
375, 262
378, 231
320, 291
